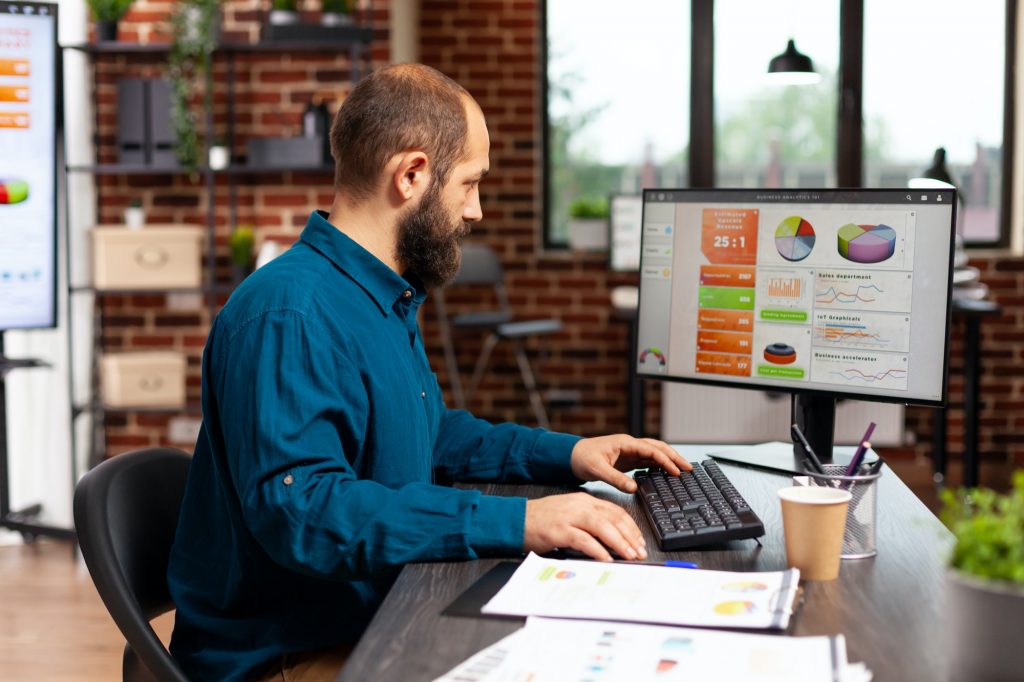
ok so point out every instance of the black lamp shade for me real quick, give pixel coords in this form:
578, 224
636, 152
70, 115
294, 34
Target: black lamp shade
938, 169
791, 61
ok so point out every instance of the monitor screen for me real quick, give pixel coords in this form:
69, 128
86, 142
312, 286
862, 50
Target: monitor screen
818, 291
625, 215
28, 188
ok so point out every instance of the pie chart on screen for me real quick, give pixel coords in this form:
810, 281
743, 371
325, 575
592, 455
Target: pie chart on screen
13, 191
794, 238
866, 243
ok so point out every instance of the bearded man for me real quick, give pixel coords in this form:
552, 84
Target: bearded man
325, 444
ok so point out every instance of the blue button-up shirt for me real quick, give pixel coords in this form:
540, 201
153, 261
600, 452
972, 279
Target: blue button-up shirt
313, 481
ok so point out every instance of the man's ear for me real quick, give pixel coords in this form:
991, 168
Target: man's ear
412, 175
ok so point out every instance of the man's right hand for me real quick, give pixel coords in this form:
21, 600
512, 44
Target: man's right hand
582, 522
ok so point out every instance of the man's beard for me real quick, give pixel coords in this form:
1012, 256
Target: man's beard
429, 241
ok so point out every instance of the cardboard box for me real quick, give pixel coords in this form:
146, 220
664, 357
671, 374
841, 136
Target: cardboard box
146, 379
153, 257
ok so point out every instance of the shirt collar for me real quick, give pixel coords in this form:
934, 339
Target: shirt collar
384, 285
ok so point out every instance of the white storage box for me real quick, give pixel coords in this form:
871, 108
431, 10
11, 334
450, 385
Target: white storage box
147, 379
153, 257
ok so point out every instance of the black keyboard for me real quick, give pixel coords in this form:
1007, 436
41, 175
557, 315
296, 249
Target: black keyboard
697, 508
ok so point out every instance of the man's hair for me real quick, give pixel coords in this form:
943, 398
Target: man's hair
398, 108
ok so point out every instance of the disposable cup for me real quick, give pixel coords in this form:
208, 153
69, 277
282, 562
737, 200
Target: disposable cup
813, 519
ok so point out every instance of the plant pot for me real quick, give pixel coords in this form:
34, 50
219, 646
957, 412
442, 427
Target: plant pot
335, 19
219, 157
588, 234
134, 217
984, 622
106, 31
282, 17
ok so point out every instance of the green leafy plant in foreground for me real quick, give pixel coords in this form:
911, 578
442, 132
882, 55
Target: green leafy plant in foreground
989, 531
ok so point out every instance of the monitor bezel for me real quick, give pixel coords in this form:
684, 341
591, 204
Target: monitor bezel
836, 394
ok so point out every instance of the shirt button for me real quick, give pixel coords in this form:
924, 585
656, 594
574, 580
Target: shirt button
423, 394
406, 294
289, 479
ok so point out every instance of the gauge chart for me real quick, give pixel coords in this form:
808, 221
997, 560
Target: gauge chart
13, 191
794, 238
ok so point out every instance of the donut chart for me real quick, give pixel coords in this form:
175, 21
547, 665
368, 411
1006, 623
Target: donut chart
13, 191
866, 243
780, 354
794, 238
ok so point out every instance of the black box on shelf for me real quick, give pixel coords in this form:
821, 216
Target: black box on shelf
144, 134
285, 152
304, 31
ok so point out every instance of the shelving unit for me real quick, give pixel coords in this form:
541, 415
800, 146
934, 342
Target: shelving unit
355, 39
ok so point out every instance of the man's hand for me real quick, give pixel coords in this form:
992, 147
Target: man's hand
606, 457
582, 522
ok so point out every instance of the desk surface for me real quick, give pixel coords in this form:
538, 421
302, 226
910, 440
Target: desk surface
888, 607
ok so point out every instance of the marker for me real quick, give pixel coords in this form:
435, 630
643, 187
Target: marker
875, 466
808, 450
858, 456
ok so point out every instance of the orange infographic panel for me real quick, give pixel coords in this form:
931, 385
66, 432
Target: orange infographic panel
715, 363
14, 119
725, 342
729, 236
727, 276
14, 67
725, 320
13, 93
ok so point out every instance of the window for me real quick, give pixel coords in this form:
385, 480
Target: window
949, 95
617, 101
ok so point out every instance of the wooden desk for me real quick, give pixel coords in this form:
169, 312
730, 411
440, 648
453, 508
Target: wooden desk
889, 607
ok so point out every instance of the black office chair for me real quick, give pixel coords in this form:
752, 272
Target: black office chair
126, 513
482, 267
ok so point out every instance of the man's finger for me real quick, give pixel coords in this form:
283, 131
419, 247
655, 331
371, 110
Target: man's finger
670, 451
585, 542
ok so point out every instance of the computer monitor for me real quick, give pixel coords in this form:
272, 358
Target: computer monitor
825, 294
625, 218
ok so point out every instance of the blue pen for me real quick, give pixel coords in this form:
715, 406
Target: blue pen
669, 564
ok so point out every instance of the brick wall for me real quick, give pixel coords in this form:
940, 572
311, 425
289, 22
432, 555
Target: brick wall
272, 89
492, 48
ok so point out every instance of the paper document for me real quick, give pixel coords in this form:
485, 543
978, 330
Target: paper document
553, 650
647, 594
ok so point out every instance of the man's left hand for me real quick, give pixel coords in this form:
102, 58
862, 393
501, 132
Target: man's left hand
605, 458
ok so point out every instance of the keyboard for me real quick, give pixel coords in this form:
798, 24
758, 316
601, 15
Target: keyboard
697, 508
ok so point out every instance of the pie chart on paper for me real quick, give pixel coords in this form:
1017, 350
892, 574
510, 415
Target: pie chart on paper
866, 243
13, 191
794, 238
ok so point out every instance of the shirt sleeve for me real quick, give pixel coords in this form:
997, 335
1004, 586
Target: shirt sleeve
471, 449
296, 409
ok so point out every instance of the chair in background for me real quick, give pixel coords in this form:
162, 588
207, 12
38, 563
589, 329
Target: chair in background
126, 513
482, 267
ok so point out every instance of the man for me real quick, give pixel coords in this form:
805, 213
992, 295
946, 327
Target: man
325, 436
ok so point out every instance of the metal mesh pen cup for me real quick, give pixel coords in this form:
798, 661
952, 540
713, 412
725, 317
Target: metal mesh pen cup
862, 513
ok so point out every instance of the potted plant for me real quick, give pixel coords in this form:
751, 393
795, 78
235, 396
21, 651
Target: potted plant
985, 584
588, 224
194, 29
134, 215
283, 12
242, 257
336, 12
106, 14
219, 157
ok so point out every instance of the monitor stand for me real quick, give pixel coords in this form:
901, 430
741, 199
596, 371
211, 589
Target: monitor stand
816, 417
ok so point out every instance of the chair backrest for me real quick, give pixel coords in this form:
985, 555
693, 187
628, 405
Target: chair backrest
126, 513
480, 265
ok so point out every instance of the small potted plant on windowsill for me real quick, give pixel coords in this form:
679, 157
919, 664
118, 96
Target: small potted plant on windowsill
985, 584
283, 12
134, 214
241, 244
106, 14
588, 224
336, 13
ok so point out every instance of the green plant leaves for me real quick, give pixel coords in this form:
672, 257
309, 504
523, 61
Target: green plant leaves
989, 531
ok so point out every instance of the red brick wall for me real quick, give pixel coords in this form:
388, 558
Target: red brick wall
272, 89
491, 47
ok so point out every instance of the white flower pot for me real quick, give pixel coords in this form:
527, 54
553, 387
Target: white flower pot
280, 17
984, 627
219, 158
335, 19
134, 217
588, 234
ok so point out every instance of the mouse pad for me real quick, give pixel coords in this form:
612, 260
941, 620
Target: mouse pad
469, 603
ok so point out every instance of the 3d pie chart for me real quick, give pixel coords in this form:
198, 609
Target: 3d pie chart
794, 238
780, 354
866, 243
13, 191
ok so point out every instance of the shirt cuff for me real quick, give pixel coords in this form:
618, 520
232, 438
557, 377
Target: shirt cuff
551, 459
497, 525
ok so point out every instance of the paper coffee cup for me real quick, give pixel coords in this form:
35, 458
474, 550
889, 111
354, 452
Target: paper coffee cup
814, 519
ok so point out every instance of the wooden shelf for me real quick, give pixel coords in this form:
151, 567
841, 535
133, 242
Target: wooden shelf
352, 35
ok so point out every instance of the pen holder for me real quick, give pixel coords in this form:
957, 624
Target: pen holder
862, 513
